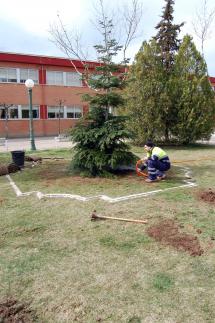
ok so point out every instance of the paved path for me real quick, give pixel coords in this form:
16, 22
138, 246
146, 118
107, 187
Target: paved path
41, 143
211, 141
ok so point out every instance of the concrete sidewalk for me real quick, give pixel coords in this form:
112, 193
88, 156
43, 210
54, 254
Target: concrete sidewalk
41, 143
210, 142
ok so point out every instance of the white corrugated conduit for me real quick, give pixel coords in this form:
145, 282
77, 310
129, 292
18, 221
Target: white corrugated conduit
188, 182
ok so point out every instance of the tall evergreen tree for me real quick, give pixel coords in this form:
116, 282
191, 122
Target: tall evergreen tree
187, 90
167, 36
100, 136
196, 99
168, 42
161, 97
145, 94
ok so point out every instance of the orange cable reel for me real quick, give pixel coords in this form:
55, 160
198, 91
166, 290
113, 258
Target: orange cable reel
140, 172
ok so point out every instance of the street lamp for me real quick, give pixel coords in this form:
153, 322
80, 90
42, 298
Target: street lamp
30, 84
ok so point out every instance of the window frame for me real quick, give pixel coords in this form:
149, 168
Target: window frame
29, 76
78, 79
64, 80
57, 108
25, 107
74, 107
14, 107
55, 73
7, 69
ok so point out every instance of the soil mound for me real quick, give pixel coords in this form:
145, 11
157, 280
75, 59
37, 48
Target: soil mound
33, 159
13, 168
7, 169
208, 196
13, 312
167, 232
3, 170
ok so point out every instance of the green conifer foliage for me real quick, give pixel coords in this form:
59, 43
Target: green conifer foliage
196, 103
145, 94
168, 42
169, 97
100, 136
167, 36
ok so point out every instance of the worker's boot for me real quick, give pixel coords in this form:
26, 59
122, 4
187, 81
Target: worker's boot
161, 177
148, 180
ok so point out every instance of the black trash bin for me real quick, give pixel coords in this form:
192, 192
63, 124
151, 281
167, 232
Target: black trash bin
18, 157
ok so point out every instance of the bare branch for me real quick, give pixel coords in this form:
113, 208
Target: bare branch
203, 23
71, 45
126, 22
131, 20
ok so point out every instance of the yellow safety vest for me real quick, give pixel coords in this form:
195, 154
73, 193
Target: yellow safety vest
156, 151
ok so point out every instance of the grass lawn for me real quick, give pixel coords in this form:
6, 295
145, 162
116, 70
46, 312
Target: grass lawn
67, 268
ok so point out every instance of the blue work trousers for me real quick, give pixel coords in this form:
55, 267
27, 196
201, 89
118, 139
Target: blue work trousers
156, 168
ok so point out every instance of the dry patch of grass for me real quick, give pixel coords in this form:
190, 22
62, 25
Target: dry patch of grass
73, 270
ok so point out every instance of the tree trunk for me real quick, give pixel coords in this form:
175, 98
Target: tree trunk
166, 133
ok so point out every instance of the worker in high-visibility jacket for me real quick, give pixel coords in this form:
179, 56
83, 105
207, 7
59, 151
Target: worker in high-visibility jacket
157, 162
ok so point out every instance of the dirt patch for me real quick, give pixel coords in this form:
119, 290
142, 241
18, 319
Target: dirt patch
34, 159
7, 169
11, 311
3, 170
207, 196
167, 232
60, 176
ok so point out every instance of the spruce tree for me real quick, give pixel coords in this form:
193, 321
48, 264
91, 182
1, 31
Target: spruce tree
168, 42
167, 36
100, 136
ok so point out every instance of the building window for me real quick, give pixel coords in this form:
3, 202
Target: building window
54, 78
8, 75
63, 78
25, 112
74, 112
29, 74
2, 113
73, 79
55, 112
9, 113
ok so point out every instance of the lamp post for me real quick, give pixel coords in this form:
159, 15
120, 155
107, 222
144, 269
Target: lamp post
30, 84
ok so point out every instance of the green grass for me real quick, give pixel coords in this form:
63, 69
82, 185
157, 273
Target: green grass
53, 177
162, 282
71, 269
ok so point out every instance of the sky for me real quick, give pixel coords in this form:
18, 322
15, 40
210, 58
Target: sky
25, 24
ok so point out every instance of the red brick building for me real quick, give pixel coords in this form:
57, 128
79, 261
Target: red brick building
212, 80
57, 93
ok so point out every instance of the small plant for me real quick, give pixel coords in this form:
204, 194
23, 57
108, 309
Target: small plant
162, 282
